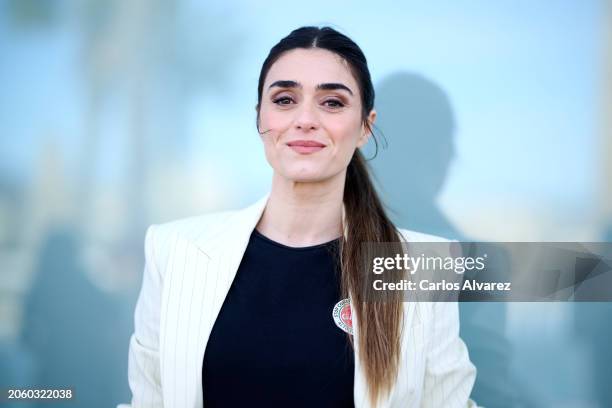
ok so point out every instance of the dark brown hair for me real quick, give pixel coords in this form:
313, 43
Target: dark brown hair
379, 322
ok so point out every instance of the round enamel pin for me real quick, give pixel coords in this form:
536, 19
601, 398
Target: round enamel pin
342, 315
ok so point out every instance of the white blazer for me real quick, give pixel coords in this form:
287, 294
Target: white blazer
189, 267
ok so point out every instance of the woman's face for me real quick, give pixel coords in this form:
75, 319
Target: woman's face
311, 115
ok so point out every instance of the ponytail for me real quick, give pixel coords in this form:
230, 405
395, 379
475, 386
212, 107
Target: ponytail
379, 322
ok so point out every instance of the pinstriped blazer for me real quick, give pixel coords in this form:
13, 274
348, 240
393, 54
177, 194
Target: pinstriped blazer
190, 265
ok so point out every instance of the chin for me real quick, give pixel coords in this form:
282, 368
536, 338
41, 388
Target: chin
305, 178
304, 175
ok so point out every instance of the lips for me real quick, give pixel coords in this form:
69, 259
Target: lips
305, 146
305, 143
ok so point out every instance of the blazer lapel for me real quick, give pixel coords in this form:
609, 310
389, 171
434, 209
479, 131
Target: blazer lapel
225, 254
202, 271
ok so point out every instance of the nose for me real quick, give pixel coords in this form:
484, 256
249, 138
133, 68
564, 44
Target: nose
306, 120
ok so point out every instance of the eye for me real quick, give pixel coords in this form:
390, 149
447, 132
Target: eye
333, 103
282, 100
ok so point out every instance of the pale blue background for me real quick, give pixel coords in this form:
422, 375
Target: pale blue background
115, 115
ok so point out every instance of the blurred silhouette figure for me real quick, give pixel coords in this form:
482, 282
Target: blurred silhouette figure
16, 369
592, 325
417, 120
76, 333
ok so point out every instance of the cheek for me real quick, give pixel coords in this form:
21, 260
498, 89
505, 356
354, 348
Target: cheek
273, 121
272, 125
344, 133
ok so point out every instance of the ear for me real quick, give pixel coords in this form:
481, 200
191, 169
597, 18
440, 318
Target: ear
366, 132
257, 118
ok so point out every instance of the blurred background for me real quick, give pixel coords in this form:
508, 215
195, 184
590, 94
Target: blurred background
118, 114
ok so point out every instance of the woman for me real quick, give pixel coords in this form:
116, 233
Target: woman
260, 306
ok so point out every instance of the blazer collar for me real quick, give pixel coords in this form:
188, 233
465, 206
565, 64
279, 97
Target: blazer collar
237, 228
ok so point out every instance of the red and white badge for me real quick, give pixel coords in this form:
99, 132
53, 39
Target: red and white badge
342, 315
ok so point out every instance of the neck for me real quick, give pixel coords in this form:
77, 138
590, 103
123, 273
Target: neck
303, 213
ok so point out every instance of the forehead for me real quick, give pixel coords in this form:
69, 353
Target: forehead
311, 67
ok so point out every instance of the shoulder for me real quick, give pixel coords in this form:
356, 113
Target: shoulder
428, 312
193, 227
161, 238
206, 228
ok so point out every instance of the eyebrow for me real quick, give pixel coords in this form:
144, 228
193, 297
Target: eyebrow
329, 86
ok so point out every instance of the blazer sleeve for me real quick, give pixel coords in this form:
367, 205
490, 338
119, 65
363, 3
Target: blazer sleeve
449, 374
143, 357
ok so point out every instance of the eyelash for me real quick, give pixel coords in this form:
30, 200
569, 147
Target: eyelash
279, 101
338, 103
282, 98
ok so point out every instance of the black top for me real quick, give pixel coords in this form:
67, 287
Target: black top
275, 343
